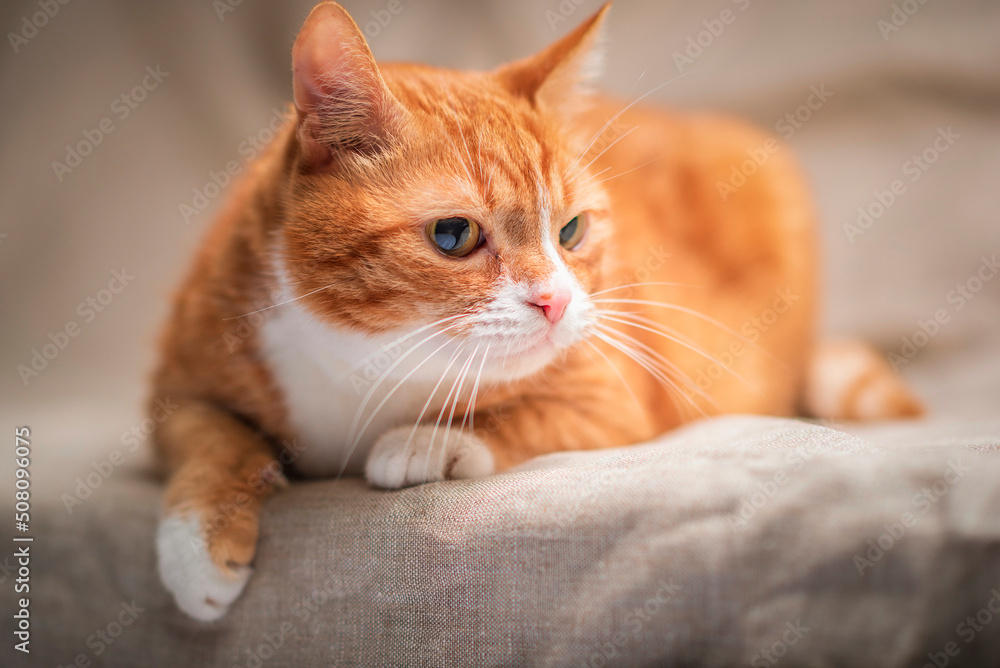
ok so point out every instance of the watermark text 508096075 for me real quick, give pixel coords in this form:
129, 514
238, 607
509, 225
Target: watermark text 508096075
22, 550
32, 22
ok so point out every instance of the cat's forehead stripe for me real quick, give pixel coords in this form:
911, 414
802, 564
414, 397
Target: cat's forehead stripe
530, 177
503, 152
486, 131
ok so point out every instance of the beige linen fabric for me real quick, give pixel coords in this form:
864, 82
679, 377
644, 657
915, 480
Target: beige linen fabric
724, 539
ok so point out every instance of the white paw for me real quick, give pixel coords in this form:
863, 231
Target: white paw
201, 588
399, 461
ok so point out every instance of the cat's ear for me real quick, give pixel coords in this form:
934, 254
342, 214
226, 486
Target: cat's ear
560, 75
342, 101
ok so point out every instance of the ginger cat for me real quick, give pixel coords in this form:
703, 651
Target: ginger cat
434, 274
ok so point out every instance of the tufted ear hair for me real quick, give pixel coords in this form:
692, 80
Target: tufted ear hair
559, 76
342, 101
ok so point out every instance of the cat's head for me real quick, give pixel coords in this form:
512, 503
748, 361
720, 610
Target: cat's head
420, 195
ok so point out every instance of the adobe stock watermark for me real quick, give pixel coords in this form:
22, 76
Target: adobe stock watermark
7, 569
563, 12
967, 630
555, 526
786, 126
121, 108
922, 502
604, 141
913, 169
131, 439
749, 505
371, 372
958, 299
655, 260
609, 653
218, 181
698, 43
380, 17
265, 478
59, 340
899, 16
770, 655
751, 331
103, 638
244, 326
259, 654
31, 24
223, 7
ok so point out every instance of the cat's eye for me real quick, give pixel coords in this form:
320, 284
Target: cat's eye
572, 232
456, 237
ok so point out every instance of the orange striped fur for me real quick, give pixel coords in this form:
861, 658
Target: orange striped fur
682, 303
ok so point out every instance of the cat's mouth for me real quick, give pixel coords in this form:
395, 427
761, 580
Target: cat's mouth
520, 344
544, 343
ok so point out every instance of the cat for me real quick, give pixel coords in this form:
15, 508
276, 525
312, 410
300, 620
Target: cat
434, 274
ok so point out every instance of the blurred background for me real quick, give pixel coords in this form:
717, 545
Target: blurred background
119, 118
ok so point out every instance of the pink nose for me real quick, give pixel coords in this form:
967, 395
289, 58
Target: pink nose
553, 302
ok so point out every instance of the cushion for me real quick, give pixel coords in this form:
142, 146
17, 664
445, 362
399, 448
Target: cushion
735, 540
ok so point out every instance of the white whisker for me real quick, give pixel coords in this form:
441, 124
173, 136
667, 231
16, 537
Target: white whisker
454, 394
655, 356
608, 148
690, 347
430, 399
628, 388
288, 301
636, 285
353, 434
357, 439
638, 358
627, 171
684, 309
395, 342
621, 111
470, 410
638, 317
611, 120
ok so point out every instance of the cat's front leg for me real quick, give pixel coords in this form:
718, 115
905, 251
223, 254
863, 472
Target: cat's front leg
220, 473
412, 456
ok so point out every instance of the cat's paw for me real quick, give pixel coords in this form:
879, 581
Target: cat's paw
201, 588
397, 460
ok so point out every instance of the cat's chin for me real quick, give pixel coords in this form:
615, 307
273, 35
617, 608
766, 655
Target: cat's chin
524, 362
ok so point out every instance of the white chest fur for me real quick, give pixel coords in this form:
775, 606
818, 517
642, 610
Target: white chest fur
331, 385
